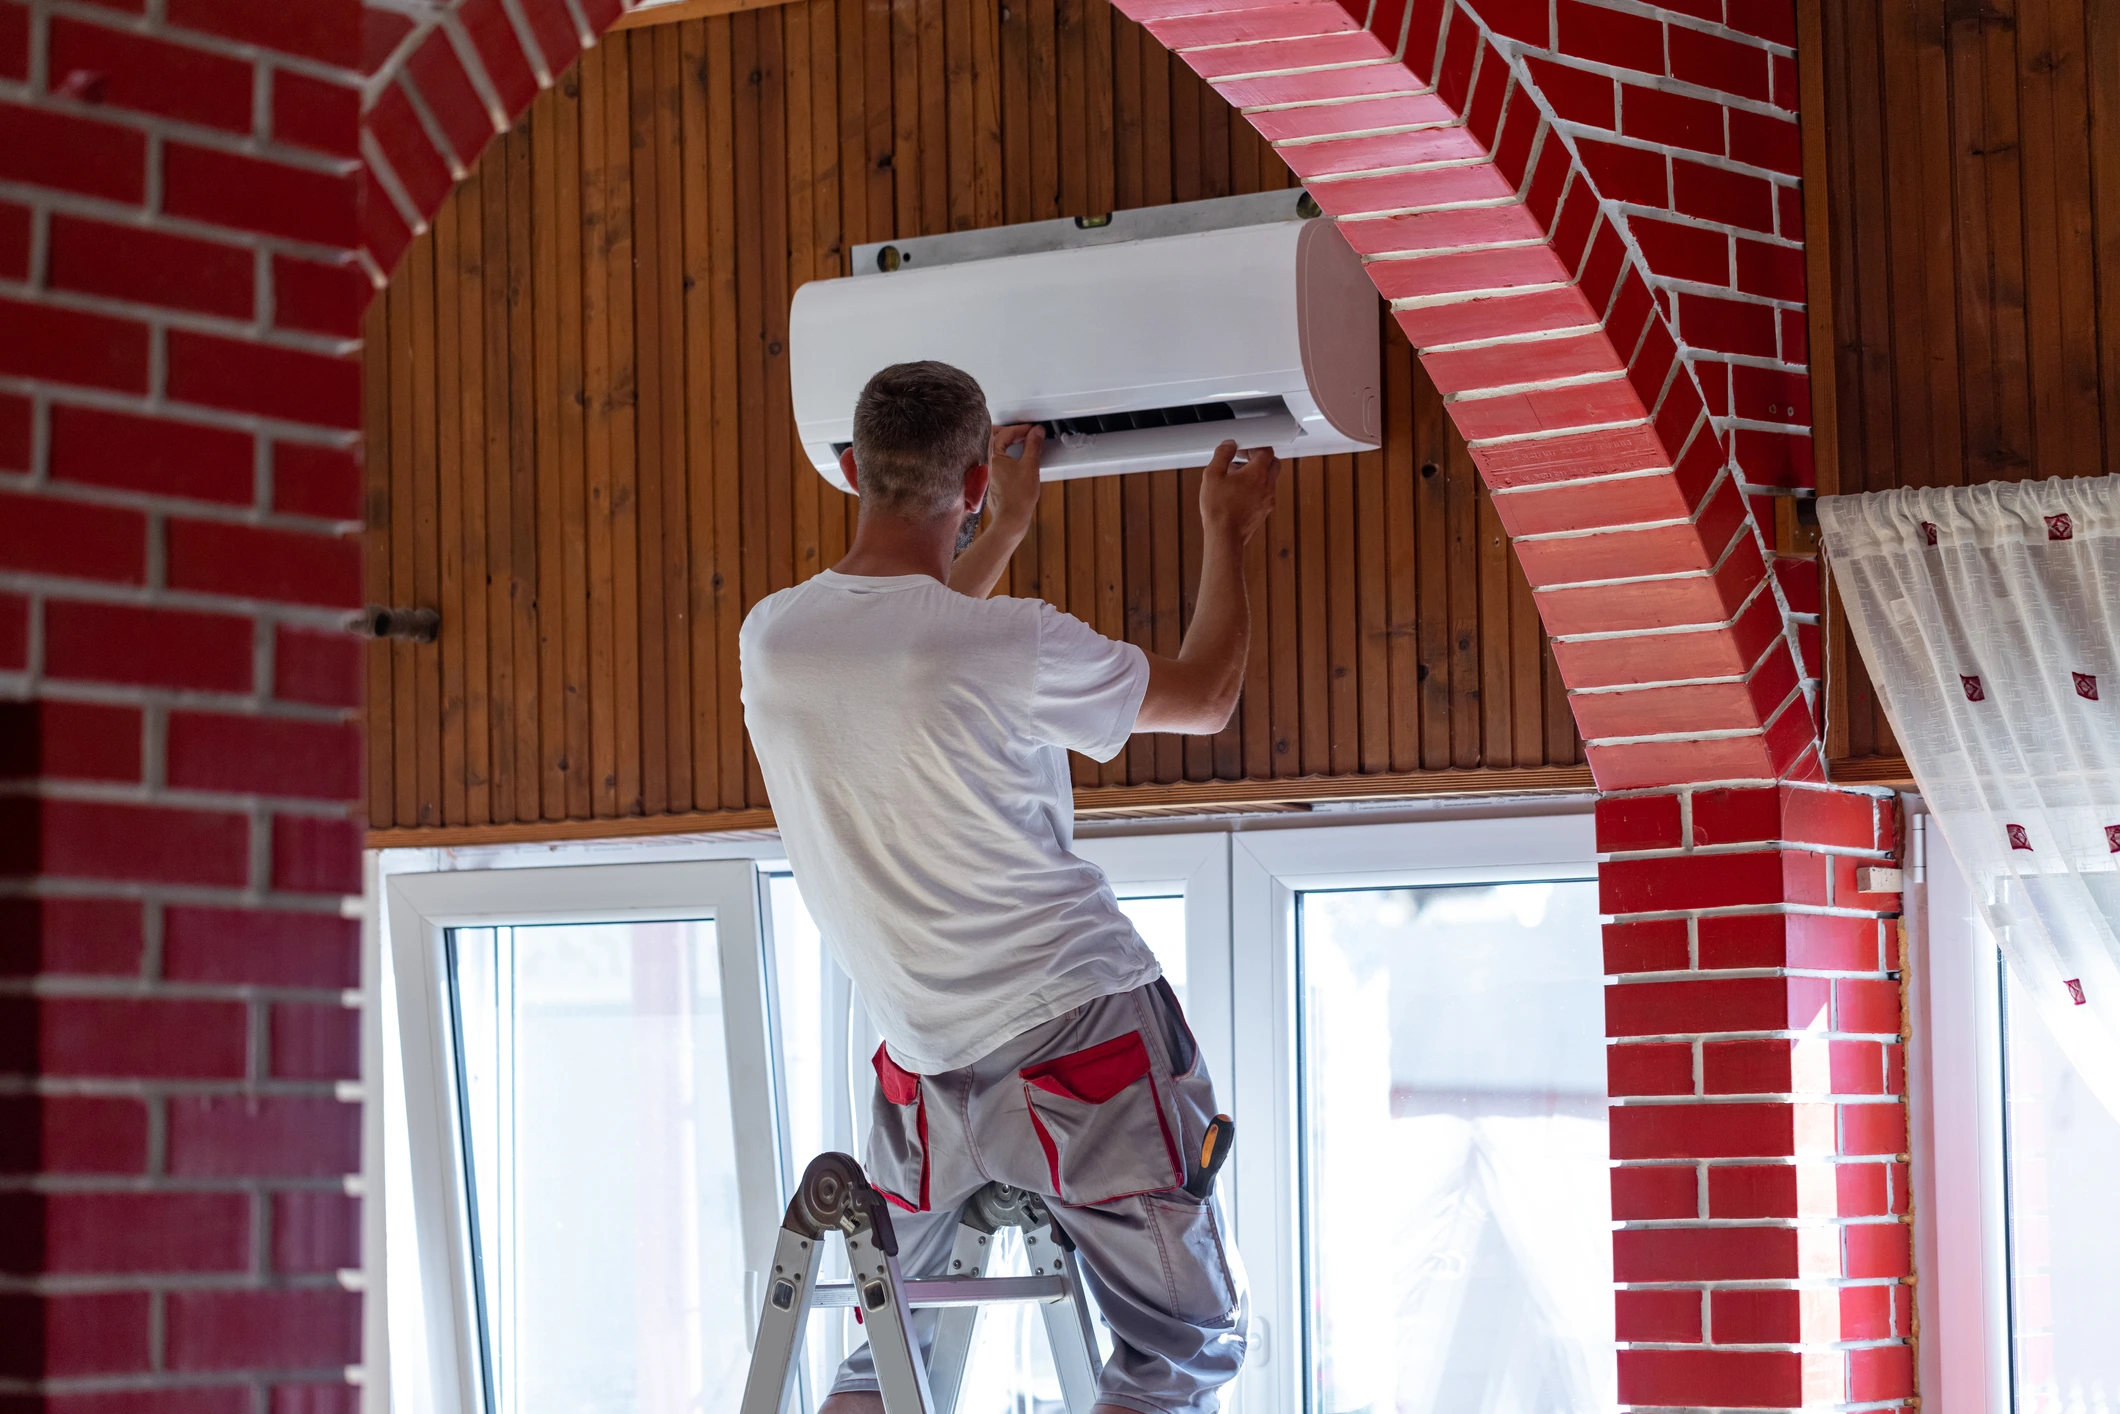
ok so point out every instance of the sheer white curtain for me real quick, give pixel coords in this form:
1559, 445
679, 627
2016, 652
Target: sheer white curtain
1989, 617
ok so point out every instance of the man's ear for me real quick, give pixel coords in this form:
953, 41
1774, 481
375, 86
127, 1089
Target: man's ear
975, 483
846, 469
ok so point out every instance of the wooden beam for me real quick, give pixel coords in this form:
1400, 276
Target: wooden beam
670, 12
1870, 771
1208, 796
1192, 797
1818, 244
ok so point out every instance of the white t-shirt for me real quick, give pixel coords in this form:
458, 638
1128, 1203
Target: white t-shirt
914, 744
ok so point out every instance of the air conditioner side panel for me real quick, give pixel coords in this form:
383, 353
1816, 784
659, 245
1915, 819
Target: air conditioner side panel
1338, 311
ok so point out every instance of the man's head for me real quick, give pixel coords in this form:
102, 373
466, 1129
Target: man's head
918, 428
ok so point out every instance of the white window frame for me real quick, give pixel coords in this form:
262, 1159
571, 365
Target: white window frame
420, 910
1239, 879
1268, 869
1955, 1112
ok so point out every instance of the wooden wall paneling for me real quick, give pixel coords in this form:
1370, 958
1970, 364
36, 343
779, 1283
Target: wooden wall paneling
581, 441
1310, 632
1431, 447
904, 107
1985, 123
1495, 690
800, 264
1196, 752
1106, 509
1276, 630
1400, 530
426, 537
1083, 600
667, 149
934, 145
695, 310
1155, 64
2102, 66
754, 537
404, 530
1343, 672
1372, 621
1098, 18
524, 385
600, 198
1461, 491
1044, 104
954, 19
1071, 93
630, 528
1129, 118
778, 482
1931, 283
1527, 646
2059, 236
1564, 745
473, 707
986, 114
655, 350
452, 473
724, 164
376, 546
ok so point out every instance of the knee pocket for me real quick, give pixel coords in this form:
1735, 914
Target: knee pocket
1196, 1267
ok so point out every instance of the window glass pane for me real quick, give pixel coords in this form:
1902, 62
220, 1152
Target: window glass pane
1456, 1187
1160, 920
606, 1220
2064, 1153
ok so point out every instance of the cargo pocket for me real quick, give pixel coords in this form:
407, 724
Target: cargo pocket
898, 1150
1195, 1262
1102, 1124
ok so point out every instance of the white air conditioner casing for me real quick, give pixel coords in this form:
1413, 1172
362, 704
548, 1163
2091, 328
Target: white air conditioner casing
1273, 319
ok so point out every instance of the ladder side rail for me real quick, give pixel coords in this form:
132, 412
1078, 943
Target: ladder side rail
1067, 1321
901, 1375
791, 1289
958, 1325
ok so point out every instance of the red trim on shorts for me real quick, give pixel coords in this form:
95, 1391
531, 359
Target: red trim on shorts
902, 1087
1094, 1075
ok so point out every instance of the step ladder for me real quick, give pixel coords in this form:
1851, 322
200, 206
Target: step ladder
835, 1196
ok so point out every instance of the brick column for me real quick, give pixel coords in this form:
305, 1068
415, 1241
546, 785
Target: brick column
179, 408
1758, 1125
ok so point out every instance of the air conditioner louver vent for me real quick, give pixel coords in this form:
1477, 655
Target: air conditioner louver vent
1186, 415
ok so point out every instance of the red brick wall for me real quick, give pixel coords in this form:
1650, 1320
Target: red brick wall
178, 401
1586, 217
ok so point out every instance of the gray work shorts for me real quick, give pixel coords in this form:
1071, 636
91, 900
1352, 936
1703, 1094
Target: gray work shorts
1102, 1109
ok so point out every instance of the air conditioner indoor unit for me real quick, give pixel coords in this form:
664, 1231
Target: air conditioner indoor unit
1140, 340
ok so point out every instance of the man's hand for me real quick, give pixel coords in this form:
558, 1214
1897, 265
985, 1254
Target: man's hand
1237, 497
1012, 497
1012, 491
1197, 691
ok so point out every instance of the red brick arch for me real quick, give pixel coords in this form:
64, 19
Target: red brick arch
1542, 264
1585, 213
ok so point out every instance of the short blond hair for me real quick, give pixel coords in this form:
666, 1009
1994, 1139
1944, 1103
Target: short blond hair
918, 427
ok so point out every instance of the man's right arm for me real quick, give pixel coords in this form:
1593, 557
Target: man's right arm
1196, 692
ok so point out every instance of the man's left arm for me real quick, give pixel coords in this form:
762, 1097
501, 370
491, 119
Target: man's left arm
1012, 499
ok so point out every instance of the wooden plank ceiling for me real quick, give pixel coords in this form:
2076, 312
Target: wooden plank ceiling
1974, 154
580, 448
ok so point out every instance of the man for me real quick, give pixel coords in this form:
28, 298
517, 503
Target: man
914, 734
